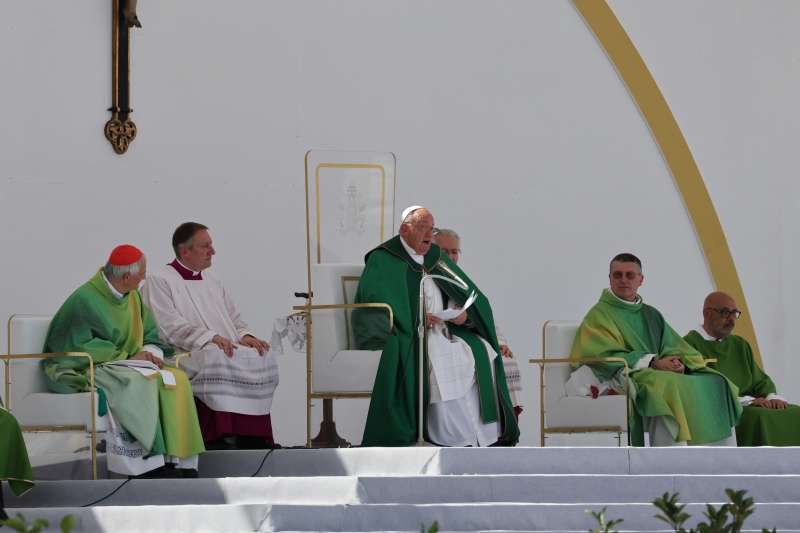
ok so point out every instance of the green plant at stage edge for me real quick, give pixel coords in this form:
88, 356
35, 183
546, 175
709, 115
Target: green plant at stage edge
727, 519
605, 527
433, 529
20, 523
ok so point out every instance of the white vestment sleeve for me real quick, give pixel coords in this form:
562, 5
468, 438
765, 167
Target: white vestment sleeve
643, 362
241, 326
501, 339
748, 400
744, 401
174, 328
153, 349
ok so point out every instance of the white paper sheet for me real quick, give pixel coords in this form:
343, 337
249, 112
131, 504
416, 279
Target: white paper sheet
147, 369
450, 314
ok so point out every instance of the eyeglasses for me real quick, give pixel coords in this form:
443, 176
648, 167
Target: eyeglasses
726, 313
424, 229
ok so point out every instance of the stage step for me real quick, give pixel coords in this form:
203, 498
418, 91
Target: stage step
399, 489
456, 461
414, 490
387, 517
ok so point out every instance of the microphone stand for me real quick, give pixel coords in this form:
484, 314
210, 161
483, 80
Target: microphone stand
421, 335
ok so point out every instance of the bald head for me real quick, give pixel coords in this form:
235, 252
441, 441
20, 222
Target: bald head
719, 314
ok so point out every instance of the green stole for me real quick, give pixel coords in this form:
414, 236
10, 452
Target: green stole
391, 276
15, 467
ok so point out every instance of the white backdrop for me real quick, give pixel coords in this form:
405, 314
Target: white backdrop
507, 120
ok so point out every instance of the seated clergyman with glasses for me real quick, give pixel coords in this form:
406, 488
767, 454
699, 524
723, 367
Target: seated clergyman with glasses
673, 393
767, 420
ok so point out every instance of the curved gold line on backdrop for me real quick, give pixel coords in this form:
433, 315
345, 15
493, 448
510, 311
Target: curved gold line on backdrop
669, 138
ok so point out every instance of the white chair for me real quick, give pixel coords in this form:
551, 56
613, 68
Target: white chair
335, 370
26, 394
560, 413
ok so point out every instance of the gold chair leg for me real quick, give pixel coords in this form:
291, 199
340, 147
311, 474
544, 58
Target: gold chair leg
94, 454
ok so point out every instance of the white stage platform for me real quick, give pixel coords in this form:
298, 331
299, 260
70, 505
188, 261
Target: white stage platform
398, 489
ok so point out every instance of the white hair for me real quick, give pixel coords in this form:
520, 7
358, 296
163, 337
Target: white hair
443, 232
117, 271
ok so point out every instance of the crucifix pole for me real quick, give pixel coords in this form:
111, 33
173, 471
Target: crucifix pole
120, 129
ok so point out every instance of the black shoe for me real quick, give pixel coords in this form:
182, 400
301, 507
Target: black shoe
248, 442
188, 473
3, 515
168, 471
224, 443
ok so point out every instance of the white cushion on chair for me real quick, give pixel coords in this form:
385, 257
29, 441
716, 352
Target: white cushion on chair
30, 401
558, 338
576, 411
337, 367
39, 409
564, 411
28, 333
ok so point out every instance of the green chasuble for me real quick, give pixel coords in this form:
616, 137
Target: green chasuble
699, 406
758, 426
14, 464
94, 320
391, 276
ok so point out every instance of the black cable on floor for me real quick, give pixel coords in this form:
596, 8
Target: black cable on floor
107, 495
262, 462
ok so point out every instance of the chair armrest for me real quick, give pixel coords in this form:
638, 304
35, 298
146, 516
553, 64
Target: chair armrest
583, 360
179, 356
306, 309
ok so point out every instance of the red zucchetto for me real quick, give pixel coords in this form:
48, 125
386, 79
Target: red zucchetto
124, 255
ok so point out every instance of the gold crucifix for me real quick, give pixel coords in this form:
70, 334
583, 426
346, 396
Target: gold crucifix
120, 129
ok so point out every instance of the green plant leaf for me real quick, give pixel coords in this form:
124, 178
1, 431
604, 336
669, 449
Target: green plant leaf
67, 523
17, 524
672, 510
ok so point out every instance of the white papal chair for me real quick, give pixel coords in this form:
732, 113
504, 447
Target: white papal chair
26, 395
560, 413
335, 369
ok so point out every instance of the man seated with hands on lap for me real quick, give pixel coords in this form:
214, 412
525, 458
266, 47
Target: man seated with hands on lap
674, 395
154, 425
767, 419
233, 373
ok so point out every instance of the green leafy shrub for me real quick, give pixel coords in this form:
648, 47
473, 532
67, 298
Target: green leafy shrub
433, 529
20, 523
727, 519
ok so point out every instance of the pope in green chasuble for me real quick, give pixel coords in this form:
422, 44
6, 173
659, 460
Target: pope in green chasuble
391, 276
